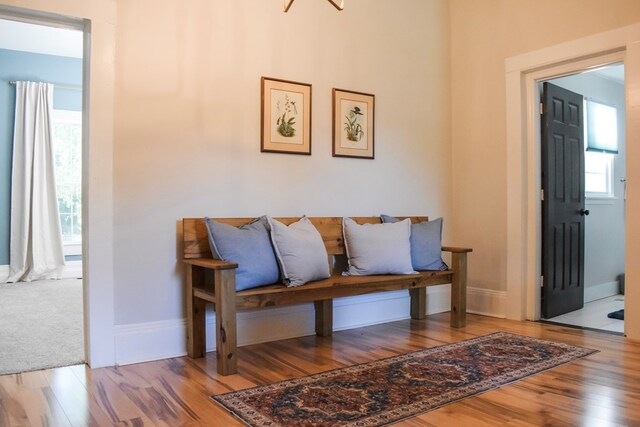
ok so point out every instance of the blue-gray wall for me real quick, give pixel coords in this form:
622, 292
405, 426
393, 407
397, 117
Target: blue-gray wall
16, 65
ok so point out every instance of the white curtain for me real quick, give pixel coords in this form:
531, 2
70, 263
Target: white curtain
36, 251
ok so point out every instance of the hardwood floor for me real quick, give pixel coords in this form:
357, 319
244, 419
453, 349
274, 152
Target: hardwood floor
600, 390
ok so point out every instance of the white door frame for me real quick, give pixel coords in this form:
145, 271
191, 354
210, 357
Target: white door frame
523, 72
97, 220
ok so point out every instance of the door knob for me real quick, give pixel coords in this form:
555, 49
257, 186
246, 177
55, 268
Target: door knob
584, 212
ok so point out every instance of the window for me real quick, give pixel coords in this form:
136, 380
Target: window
598, 168
601, 136
67, 146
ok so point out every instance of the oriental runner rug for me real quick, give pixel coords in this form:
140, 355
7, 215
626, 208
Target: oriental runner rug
389, 390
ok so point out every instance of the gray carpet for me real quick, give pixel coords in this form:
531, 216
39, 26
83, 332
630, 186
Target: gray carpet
40, 325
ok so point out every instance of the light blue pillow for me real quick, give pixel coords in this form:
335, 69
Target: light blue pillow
250, 247
300, 251
377, 248
426, 244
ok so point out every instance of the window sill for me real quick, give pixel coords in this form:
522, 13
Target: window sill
600, 200
72, 249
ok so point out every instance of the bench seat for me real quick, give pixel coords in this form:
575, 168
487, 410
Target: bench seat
209, 281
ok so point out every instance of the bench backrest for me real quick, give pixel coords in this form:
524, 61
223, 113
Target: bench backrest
196, 240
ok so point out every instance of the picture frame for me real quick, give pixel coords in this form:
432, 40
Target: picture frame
285, 116
353, 124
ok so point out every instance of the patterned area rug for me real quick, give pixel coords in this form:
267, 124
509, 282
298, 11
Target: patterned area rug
389, 390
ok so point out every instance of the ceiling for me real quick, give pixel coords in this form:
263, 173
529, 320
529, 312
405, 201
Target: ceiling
40, 39
612, 72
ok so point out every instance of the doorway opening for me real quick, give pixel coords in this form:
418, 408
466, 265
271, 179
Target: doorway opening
583, 238
43, 318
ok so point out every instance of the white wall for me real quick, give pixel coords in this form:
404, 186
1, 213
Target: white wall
605, 225
187, 129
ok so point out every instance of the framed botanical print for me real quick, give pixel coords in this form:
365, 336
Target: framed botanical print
285, 117
353, 124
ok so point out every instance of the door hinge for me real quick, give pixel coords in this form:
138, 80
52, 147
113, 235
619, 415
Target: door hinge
541, 108
542, 194
542, 281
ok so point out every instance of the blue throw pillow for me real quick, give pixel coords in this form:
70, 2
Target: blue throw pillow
426, 244
250, 247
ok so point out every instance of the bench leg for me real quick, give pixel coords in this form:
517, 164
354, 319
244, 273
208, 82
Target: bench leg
226, 334
418, 303
196, 332
459, 290
324, 317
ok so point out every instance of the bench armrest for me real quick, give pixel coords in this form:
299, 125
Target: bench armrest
456, 249
212, 264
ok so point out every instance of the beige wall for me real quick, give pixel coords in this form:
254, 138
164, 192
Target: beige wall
187, 123
483, 34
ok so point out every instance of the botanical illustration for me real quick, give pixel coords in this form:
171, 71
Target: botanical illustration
286, 117
352, 127
284, 123
354, 124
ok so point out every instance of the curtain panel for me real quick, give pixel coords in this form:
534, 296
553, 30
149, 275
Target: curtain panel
36, 250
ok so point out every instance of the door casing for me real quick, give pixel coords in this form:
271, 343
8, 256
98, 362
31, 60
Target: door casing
523, 159
97, 175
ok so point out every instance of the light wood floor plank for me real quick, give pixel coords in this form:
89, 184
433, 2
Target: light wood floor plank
602, 389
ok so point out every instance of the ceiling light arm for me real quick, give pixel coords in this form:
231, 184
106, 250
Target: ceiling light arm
287, 4
339, 7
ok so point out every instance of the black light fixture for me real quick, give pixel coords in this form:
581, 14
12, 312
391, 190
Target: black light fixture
288, 3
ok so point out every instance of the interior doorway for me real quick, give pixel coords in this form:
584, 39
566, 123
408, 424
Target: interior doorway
44, 324
595, 260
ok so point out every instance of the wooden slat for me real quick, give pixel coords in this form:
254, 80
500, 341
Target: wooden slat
204, 295
338, 281
456, 249
196, 240
338, 290
334, 287
213, 264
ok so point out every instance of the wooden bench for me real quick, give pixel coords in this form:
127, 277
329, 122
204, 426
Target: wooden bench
211, 281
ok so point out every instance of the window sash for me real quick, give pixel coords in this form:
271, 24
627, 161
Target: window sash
598, 175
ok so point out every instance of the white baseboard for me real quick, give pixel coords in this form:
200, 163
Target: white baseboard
487, 302
601, 290
72, 270
143, 342
164, 339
